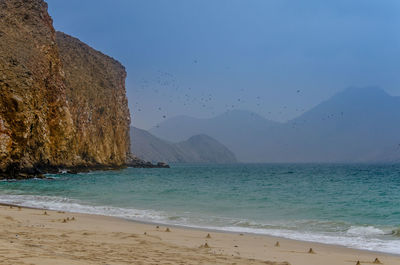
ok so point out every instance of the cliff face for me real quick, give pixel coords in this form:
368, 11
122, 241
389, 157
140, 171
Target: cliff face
35, 122
95, 89
49, 119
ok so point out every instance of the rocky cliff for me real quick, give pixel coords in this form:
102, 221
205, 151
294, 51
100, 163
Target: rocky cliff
95, 91
62, 104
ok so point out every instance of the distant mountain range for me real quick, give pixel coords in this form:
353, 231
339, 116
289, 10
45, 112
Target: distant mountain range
196, 149
355, 125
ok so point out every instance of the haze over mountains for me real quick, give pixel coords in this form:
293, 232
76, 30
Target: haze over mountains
196, 149
355, 125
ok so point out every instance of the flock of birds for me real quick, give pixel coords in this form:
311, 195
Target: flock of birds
165, 84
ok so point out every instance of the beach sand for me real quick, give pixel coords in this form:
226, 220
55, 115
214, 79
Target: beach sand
34, 236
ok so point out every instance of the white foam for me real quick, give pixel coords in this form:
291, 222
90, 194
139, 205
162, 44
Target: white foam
69, 205
357, 242
365, 231
366, 238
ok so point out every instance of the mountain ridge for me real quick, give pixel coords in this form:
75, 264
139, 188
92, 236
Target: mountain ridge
196, 149
355, 125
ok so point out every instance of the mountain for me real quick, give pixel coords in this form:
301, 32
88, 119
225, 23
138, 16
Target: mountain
197, 149
355, 125
236, 129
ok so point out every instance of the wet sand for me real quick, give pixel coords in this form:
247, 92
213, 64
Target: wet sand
34, 236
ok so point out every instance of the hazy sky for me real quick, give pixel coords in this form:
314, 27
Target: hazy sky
275, 57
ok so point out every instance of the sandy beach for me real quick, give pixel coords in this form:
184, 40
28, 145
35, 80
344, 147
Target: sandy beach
34, 236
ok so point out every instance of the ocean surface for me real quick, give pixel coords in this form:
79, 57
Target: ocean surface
356, 206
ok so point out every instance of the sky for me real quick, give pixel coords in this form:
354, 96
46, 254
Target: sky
201, 58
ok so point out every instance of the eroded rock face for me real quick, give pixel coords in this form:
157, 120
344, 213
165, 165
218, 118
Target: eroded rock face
53, 114
35, 122
95, 89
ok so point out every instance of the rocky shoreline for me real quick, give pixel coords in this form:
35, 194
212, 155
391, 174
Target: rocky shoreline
136, 162
40, 170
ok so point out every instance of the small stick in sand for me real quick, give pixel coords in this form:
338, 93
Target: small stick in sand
11, 207
145, 233
311, 251
67, 218
358, 262
64, 221
377, 261
206, 245
277, 244
73, 218
45, 213
157, 226
19, 208
167, 230
208, 236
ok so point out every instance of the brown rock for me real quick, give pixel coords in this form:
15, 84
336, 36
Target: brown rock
95, 90
62, 104
35, 122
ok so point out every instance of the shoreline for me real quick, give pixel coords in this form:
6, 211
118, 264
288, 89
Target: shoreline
207, 229
242, 247
42, 171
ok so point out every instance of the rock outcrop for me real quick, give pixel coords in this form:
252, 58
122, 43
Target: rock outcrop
95, 91
36, 126
62, 104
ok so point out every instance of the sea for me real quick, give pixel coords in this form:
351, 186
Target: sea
356, 206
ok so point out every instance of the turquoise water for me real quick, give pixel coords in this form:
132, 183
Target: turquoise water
352, 205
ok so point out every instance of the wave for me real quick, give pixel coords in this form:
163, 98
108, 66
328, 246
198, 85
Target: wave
365, 231
357, 242
70, 205
396, 232
359, 237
